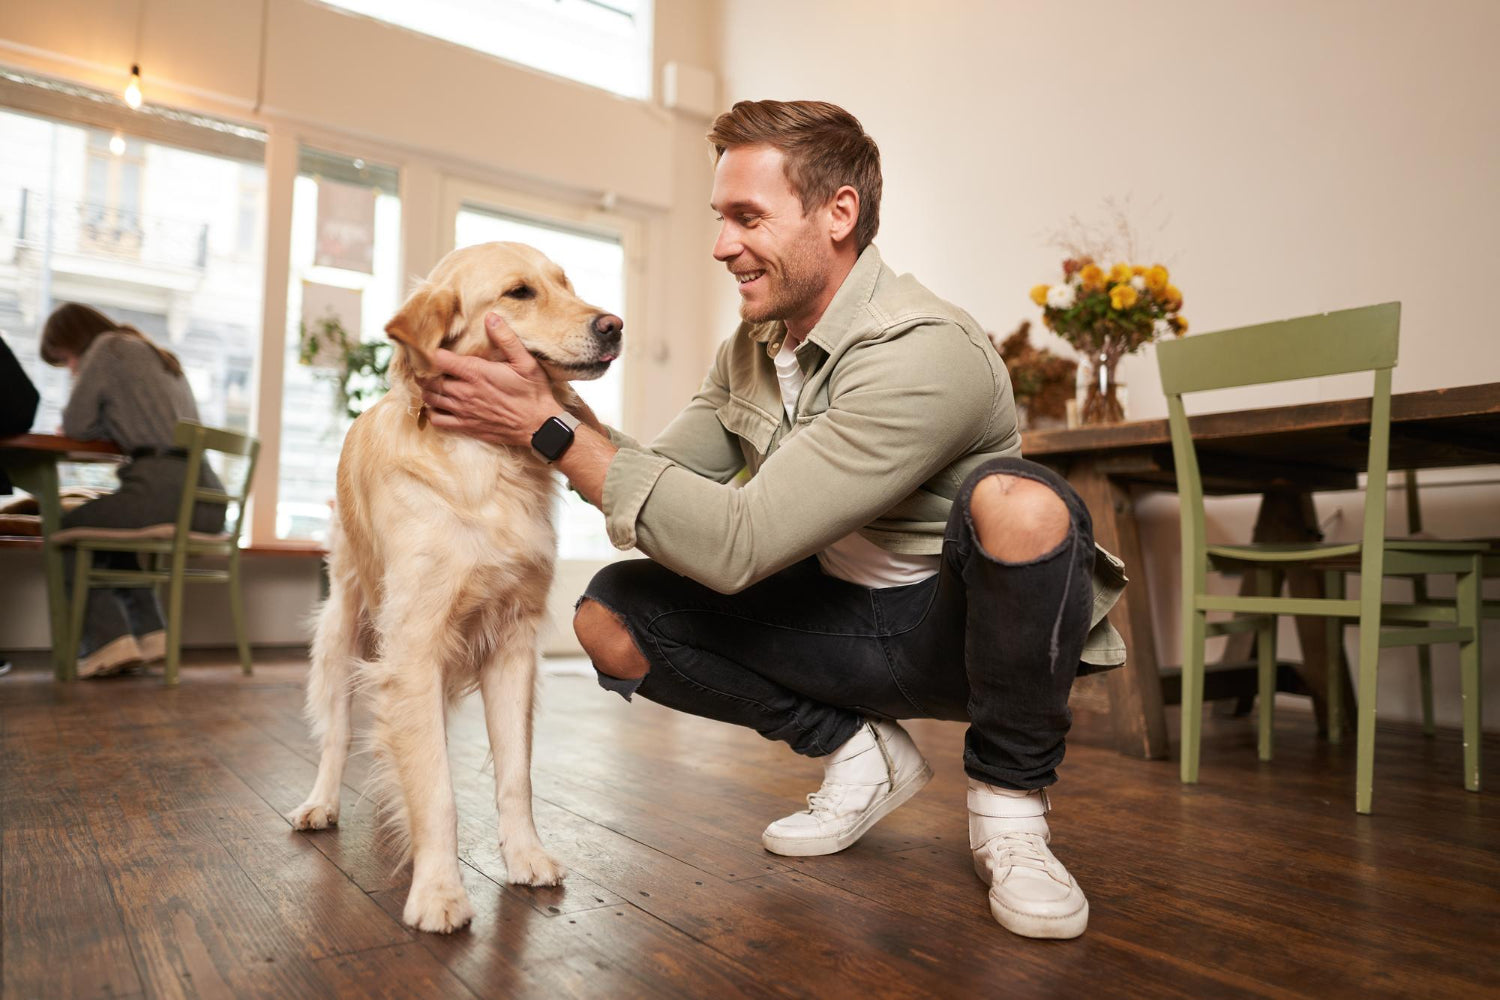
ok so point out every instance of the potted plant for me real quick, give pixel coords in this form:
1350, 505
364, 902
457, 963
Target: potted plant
356, 368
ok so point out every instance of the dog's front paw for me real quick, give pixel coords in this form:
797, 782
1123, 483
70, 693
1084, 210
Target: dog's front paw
314, 816
440, 907
531, 866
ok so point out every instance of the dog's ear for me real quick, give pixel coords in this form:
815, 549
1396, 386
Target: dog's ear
425, 320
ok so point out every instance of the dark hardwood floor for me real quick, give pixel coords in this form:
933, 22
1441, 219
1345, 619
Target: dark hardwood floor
145, 854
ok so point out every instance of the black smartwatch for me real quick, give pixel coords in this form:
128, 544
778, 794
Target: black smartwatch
554, 437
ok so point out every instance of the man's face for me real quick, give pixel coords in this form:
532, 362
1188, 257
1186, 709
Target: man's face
781, 258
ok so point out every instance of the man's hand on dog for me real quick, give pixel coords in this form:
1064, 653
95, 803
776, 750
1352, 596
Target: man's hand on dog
502, 402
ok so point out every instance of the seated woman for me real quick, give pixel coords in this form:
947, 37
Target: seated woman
128, 390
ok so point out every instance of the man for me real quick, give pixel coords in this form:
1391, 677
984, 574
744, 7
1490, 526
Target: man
891, 555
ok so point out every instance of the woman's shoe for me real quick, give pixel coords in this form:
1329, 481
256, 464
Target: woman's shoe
153, 646
112, 657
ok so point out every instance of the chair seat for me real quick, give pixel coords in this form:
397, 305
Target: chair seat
152, 532
1334, 553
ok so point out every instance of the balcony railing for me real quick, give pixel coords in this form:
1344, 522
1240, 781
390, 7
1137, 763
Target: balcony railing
111, 232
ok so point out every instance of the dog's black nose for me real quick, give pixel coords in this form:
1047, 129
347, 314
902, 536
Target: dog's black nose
607, 326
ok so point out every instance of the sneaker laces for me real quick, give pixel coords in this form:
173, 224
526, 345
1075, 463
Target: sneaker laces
825, 800
1020, 850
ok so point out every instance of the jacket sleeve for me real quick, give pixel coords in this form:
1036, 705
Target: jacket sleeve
695, 441
18, 397
83, 417
900, 410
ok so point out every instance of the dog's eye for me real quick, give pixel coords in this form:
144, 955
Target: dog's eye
521, 292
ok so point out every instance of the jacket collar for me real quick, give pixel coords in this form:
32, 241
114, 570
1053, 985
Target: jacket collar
838, 321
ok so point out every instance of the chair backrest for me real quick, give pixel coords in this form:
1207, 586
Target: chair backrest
199, 440
1336, 343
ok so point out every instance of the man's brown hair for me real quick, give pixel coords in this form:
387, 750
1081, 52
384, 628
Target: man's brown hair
825, 148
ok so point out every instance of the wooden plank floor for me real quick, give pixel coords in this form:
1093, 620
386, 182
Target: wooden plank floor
145, 854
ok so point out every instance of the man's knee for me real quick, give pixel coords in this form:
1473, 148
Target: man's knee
608, 642
1018, 519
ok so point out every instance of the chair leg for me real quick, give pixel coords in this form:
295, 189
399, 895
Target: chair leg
1265, 648
174, 619
1369, 662
1194, 638
1333, 587
82, 563
1424, 662
1470, 611
237, 612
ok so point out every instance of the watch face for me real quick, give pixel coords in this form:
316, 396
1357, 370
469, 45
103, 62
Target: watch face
552, 439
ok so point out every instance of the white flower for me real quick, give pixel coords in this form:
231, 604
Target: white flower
1161, 328
1061, 296
1138, 283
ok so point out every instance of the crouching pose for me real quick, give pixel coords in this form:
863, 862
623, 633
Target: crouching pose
891, 555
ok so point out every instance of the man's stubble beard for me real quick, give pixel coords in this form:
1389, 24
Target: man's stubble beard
800, 282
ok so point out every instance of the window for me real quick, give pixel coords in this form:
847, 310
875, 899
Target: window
345, 263
150, 237
596, 267
603, 43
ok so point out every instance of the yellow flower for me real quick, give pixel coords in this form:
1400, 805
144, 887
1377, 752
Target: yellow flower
1122, 297
1172, 297
1092, 277
1180, 325
1039, 295
1138, 269
1156, 279
1119, 274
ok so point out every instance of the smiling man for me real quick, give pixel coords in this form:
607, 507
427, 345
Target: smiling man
891, 556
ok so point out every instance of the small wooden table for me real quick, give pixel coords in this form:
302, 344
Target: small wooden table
31, 460
1284, 453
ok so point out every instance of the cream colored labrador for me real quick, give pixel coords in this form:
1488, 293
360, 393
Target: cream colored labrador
439, 571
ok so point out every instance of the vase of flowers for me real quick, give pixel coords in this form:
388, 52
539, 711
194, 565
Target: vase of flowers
1106, 315
1041, 381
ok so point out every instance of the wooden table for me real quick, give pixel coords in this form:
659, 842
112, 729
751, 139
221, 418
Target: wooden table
31, 460
1284, 453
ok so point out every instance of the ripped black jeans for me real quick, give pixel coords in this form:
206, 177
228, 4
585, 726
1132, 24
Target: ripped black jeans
802, 656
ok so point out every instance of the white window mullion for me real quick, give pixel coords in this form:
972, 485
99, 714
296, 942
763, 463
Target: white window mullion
281, 175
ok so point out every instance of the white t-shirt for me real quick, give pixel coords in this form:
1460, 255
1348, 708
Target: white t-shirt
854, 557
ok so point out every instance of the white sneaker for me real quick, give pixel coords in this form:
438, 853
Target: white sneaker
1031, 893
153, 646
876, 770
115, 655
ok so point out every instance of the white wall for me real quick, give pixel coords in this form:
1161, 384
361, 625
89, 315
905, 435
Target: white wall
1282, 157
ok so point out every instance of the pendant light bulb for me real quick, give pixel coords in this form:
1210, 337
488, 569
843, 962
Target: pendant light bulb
133, 89
117, 144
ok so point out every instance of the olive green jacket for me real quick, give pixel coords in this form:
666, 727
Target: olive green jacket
903, 397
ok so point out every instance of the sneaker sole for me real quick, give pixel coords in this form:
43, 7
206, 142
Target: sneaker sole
812, 847
1068, 925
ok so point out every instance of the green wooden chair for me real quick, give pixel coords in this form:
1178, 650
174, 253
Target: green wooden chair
1353, 340
166, 548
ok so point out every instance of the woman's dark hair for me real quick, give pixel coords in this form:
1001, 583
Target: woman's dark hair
73, 326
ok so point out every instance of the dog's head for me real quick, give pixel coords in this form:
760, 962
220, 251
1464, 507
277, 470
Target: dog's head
571, 339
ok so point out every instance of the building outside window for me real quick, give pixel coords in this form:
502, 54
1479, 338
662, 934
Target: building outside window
153, 236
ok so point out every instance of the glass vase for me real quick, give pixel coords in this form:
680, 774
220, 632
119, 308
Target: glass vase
1101, 402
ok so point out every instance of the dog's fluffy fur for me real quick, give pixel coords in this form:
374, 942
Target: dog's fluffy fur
439, 570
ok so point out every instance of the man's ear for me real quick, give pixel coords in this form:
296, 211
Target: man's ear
843, 213
423, 323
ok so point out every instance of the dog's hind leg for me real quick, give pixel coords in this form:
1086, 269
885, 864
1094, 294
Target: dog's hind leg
508, 683
329, 692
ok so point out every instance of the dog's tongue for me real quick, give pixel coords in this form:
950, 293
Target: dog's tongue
606, 358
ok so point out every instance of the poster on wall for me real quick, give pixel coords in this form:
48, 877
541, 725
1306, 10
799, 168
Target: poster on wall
346, 227
321, 303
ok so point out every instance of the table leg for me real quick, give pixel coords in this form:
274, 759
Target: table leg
39, 478
1135, 703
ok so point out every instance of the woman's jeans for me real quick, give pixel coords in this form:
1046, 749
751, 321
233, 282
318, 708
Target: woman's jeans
150, 493
803, 657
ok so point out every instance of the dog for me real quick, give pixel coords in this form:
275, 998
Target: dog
439, 570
